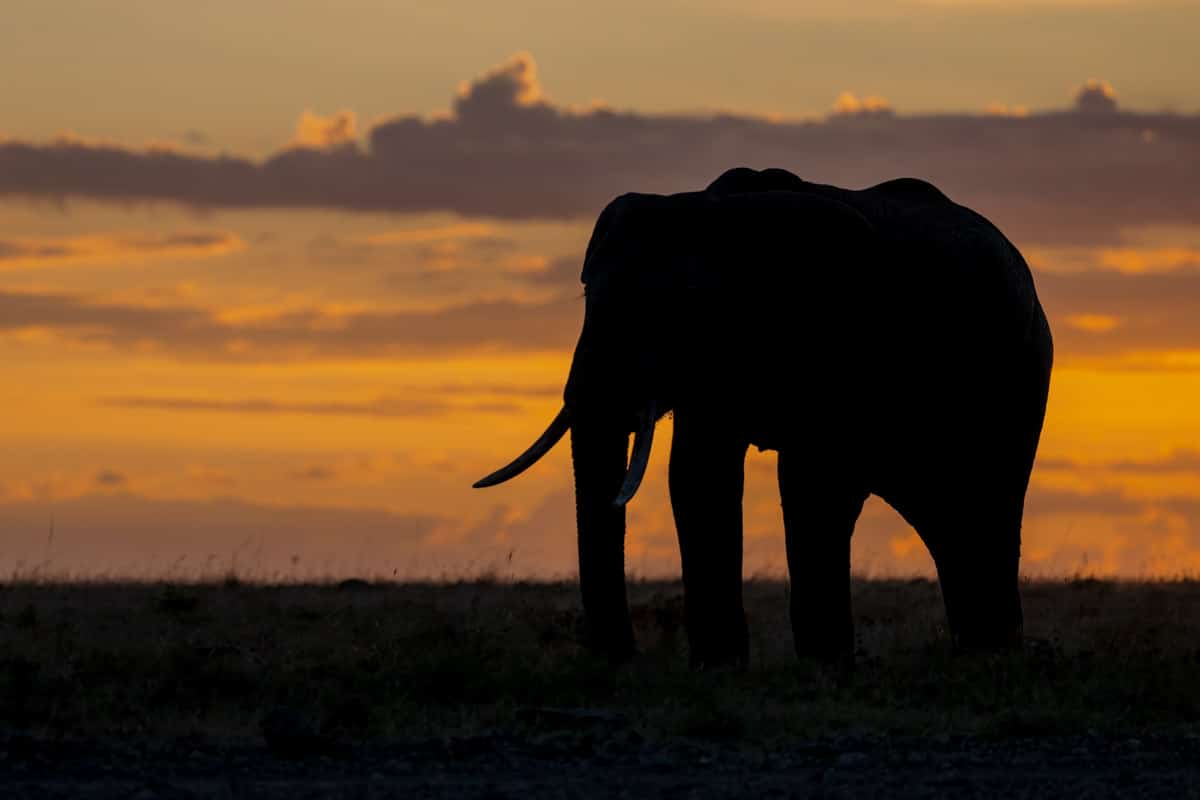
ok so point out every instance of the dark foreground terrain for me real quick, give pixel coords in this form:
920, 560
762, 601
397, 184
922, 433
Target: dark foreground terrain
480, 690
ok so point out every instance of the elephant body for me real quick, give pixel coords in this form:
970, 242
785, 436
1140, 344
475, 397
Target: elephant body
904, 354
884, 341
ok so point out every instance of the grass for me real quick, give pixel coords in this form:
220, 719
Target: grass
372, 661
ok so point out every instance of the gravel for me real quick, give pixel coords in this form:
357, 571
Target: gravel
617, 764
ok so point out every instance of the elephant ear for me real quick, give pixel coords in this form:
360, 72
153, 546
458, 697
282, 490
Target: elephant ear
613, 220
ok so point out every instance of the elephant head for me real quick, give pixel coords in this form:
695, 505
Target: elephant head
669, 290
640, 261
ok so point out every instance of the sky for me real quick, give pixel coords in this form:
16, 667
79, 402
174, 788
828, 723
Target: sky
279, 281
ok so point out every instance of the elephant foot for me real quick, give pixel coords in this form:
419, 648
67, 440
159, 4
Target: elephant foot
983, 608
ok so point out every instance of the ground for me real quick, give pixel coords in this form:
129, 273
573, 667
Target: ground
479, 689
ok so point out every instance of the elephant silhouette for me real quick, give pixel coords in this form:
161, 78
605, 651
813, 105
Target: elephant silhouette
884, 341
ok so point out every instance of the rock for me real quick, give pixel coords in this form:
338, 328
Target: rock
851, 759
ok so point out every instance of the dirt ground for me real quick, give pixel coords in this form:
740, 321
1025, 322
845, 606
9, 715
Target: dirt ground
613, 766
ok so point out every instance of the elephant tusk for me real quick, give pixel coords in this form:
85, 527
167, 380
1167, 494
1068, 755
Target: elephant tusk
642, 441
558, 427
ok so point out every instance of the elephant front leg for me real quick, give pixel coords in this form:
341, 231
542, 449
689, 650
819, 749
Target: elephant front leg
821, 504
706, 480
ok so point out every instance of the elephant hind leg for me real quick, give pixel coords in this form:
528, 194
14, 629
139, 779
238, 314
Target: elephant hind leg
821, 504
976, 548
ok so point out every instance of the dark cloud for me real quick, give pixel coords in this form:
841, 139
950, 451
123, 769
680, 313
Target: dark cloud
12, 250
1040, 500
1096, 97
109, 247
118, 534
110, 478
1148, 311
196, 138
199, 333
315, 473
506, 151
1174, 462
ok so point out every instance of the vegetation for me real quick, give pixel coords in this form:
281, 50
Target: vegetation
370, 661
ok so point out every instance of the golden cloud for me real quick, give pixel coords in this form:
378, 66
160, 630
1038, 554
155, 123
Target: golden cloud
1005, 110
437, 233
1135, 261
1093, 323
515, 81
320, 133
850, 103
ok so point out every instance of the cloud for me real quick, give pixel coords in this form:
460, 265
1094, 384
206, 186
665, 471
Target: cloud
322, 133
119, 534
198, 333
849, 103
1185, 461
195, 138
387, 406
438, 233
110, 478
1162, 259
1094, 313
1041, 500
211, 476
21, 253
505, 150
998, 109
315, 473
1092, 323
455, 254
1096, 97
1109, 313
562, 271
513, 84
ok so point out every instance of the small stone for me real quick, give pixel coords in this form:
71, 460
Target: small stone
852, 759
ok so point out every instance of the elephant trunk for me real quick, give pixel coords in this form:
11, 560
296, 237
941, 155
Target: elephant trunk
598, 453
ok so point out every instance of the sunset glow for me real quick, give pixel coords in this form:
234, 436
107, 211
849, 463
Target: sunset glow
267, 318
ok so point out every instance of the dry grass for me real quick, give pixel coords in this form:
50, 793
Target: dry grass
417, 660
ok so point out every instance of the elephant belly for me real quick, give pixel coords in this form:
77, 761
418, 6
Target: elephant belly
798, 416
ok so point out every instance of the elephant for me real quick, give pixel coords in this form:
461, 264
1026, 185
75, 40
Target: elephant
883, 341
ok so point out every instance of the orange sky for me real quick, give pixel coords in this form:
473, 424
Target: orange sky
245, 329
